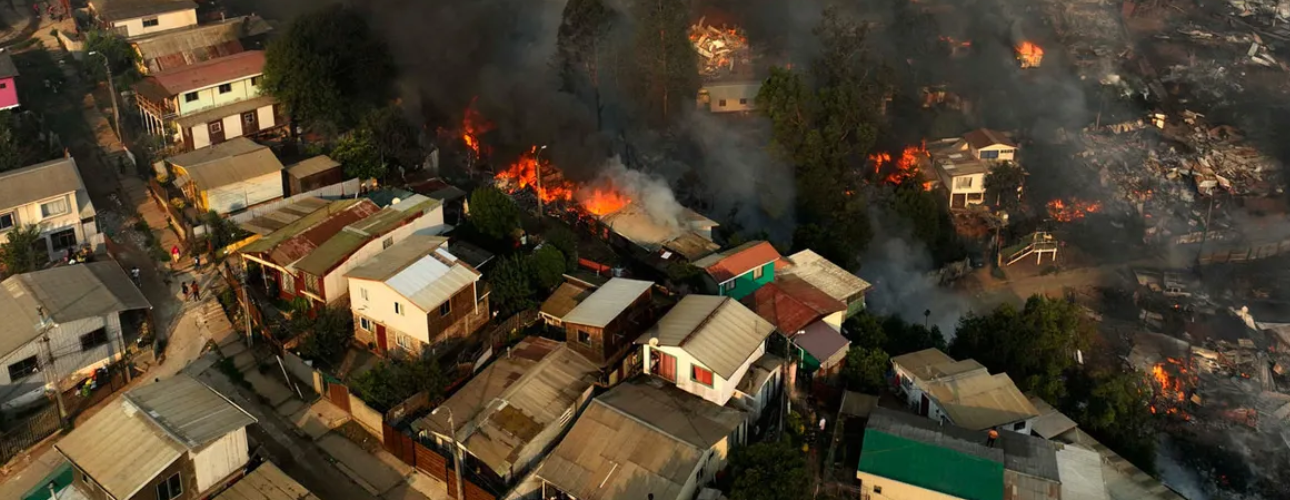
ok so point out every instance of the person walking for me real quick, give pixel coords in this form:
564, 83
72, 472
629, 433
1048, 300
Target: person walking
197, 294
184, 286
174, 256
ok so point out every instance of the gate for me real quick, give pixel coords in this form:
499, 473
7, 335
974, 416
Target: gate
339, 395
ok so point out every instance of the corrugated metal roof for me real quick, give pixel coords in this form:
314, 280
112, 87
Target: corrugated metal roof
920, 363
38, 182
390, 261
221, 112
927, 465
673, 411
718, 331
266, 482
189, 411
433, 279
193, 44
490, 383
984, 138
1081, 474
66, 293
822, 342
345, 243
791, 303
236, 160
1029, 455
308, 241
826, 276
981, 401
1051, 423
120, 449
176, 81
116, 10
566, 297
607, 302
729, 264
634, 223
295, 224
7, 67
283, 215
311, 166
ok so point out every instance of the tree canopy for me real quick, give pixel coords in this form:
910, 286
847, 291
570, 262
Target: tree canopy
493, 213
891, 334
1003, 186
121, 57
328, 333
393, 381
768, 471
865, 369
661, 61
1114, 407
580, 45
393, 136
11, 156
328, 68
359, 156
19, 252
548, 267
512, 286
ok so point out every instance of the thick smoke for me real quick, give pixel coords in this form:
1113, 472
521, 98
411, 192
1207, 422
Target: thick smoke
646, 191
904, 283
741, 177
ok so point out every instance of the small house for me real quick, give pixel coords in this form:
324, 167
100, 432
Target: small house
170, 49
962, 393
729, 97
904, 458
829, 278
52, 197
605, 324
566, 297
809, 317
176, 439
8, 84
739, 271
961, 164
132, 18
228, 177
313, 173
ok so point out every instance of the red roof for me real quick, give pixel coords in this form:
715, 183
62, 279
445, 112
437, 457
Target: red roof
984, 138
300, 245
739, 260
791, 303
206, 73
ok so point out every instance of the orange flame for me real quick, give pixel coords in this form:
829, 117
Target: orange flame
523, 173
955, 43
906, 167
1029, 54
473, 125
1067, 211
602, 200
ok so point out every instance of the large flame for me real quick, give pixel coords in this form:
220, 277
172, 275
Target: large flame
473, 126
603, 200
906, 167
1067, 211
523, 173
1029, 54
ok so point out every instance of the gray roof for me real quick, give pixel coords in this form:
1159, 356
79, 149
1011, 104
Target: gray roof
1081, 474
7, 67
237, 160
125, 446
266, 482
607, 302
1029, 455
311, 166
66, 293
717, 331
733, 90
1050, 423
38, 182
115, 10
673, 411
390, 261
928, 431
188, 411
431, 279
193, 44
824, 343
825, 275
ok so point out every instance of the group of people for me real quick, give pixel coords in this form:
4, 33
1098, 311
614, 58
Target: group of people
191, 291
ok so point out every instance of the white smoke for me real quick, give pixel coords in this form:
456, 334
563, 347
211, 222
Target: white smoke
646, 191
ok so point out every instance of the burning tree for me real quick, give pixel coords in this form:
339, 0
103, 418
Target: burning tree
908, 166
1171, 381
1029, 55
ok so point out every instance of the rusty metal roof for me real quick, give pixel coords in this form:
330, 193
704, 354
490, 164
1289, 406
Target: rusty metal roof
305, 243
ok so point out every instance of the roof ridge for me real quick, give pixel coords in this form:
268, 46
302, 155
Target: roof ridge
648, 425
704, 322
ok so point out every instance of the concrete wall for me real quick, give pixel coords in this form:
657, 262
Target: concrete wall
168, 21
219, 459
71, 362
722, 389
896, 490
367, 417
210, 97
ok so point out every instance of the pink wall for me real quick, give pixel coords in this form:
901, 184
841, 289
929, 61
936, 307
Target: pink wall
8, 94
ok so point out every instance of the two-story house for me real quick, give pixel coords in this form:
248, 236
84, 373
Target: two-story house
511, 413
962, 393
131, 18
228, 177
414, 295
62, 324
603, 326
51, 196
209, 102
175, 439
8, 84
961, 164
170, 49
642, 439
705, 345
739, 271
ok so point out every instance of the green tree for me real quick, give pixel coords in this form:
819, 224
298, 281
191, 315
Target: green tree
393, 381
904, 337
1035, 346
11, 156
662, 62
769, 471
1003, 186
564, 239
865, 369
580, 45
121, 57
328, 68
359, 155
512, 285
493, 213
394, 137
23, 251
1114, 407
548, 267
864, 330
327, 335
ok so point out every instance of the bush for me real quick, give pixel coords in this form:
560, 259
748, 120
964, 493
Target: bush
393, 381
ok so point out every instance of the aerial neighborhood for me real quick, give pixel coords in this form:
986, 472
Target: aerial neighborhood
642, 250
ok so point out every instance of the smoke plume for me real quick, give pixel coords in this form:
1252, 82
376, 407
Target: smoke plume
646, 191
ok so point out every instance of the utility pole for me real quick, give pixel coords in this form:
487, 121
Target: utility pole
456, 449
246, 305
51, 372
537, 173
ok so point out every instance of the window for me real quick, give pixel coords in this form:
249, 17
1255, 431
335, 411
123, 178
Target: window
989, 155
743, 101
170, 488
151, 22
255, 81
63, 239
387, 243
728, 286
1019, 426
700, 375
6, 221
4, 85
445, 308
190, 97
23, 368
288, 283
362, 292
584, 337
365, 324
877, 489
403, 341
53, 208
94, 339
721, 103
398, 308
225, 88
757, 273
216, 127
249, 118
311, 283
963, 182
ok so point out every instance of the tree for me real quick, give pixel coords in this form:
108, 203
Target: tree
11, 156
548, 267
328, 68
662, 61
121, 57
564, 239
580, 44
357, 152
1114, 407
493, 213
394, 137
512, 288
864, 330
393, 381
1003, 186
20, 252
328, 333
769, 471
865, 369
1035, 346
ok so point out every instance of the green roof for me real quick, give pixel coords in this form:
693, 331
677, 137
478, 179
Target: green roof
325, 258
931, 467
298, 226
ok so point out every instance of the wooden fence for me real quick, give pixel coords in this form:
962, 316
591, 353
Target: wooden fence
29, 432
160, 196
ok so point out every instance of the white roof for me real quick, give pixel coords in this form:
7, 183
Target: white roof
433, 279
717, 331
825, 275
1081, 474
606, 303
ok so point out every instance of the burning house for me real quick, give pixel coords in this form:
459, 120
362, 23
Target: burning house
960, 164
726, 65
1029, 55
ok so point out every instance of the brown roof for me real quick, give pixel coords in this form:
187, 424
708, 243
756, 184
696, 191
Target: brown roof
565, 298
791, 303
170, 83
300, 245
984, 138
116, 10
725, 266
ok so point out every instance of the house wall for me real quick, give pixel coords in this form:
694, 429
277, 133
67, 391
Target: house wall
29, 213
187, 475
219, 459
379, 308
232, 124
722, 389
896, 490
1006, 153
170, 20
744, 284
336, 287
614, 338
239, 195
8, 93
761, 397
71, 362
210, 97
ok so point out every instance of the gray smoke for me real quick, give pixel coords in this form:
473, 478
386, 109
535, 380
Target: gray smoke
900, 269
740, 175
646, 191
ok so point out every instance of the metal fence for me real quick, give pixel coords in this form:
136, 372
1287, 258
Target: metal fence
28, 432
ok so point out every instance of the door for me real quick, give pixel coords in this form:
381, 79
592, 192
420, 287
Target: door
216, 129
665, 366
958, 201
380, 338
250, 123
925, 406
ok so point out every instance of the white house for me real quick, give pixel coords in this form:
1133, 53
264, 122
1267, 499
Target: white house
415, 294
175, 439
209, 102
131, 18
705, 345
961, 164
729, 97
49, 195
81, 304
228, 177
962, 393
